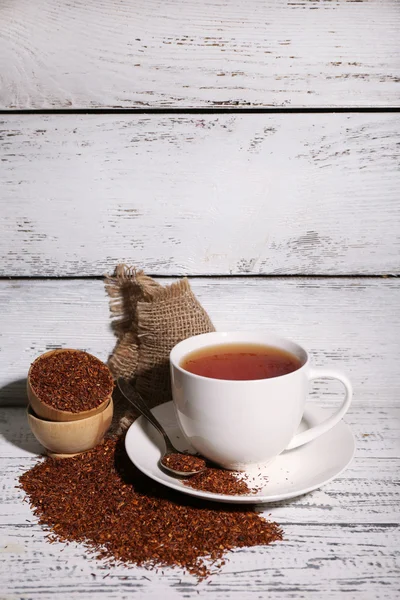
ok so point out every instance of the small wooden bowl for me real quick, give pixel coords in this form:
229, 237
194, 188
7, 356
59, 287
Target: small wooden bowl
73, 437
41, 409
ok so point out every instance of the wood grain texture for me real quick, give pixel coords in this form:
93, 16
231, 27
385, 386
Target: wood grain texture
368, 491
315, 561
340, 541
228, 194
75, 54
353, 325
358, 496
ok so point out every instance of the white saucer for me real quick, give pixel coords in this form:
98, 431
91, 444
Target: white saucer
291, 474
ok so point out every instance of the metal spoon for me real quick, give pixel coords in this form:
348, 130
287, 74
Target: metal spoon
137, 401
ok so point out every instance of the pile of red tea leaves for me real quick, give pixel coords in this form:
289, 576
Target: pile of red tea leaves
185, 463
101, 500
71, 380
220, 481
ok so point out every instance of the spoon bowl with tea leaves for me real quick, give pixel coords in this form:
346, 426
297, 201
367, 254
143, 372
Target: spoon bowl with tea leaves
179, 464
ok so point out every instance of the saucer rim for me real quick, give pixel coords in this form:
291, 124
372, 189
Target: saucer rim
230, 499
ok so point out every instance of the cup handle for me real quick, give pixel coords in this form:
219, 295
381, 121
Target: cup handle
317, 430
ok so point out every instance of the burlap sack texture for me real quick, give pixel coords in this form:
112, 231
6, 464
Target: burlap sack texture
148, 320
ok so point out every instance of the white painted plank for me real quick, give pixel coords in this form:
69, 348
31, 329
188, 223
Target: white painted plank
228, 194
340, 542
340, 539
59, 53
367, 492
351, 324
314, 561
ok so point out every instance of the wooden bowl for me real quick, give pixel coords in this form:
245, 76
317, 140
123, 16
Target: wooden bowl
72, 437
41, 409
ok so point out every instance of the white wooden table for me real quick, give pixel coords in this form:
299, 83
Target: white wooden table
253, 146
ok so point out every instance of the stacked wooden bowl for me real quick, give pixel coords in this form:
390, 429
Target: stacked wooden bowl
63, 432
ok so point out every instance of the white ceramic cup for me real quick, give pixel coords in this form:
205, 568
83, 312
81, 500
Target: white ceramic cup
242, 424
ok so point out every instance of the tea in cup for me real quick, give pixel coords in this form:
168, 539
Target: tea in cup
239, 397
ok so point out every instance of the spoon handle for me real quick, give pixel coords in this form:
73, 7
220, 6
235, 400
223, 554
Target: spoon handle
137, 401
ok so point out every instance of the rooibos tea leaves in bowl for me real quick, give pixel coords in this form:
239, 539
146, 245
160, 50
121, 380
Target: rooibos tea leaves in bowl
70, 380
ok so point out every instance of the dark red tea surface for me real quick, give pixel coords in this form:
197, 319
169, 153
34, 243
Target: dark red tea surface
240, 362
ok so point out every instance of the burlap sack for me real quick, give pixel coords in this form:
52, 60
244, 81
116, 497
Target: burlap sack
149, 319
126, 288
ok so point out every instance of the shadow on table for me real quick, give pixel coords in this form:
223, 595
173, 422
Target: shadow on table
14, 393
262, 508
13, 422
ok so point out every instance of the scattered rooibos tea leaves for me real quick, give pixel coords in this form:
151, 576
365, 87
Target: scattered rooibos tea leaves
100, 499
219, 481
71, 380
185, 463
